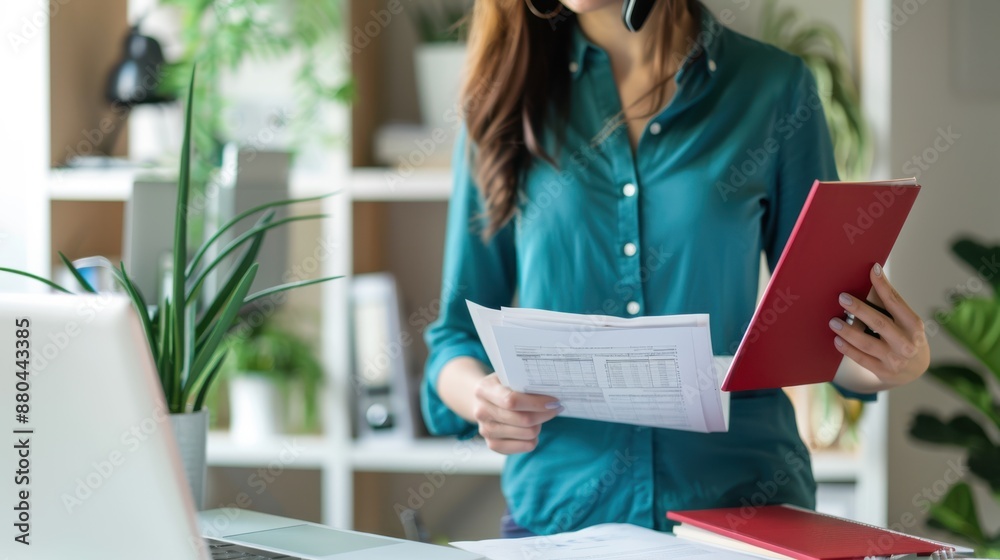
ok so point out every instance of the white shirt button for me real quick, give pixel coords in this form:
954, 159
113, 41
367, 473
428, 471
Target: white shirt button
632, 307
629, 249
628, 189
711, 65
573, 67
655, 128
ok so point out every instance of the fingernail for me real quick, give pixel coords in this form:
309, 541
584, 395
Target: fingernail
553, 405
838, 341
846, 299
836, 324
877, 269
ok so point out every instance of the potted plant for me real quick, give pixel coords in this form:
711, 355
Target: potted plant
268, 369
973, 322
186, 338
439, 61
823, 51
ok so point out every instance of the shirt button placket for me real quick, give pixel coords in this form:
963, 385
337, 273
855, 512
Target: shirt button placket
629, 248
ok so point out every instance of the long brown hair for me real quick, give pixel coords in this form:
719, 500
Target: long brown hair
518, 70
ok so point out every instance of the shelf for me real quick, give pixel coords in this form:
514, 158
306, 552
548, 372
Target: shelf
448, 455
387, 184
386, 455
367, 184
291, 452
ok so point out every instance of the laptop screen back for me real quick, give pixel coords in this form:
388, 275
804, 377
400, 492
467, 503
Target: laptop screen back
101, 478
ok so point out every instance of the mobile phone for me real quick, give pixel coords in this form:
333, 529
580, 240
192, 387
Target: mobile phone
635, 13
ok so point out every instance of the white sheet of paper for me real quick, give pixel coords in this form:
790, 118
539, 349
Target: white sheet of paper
649, 371
611, 541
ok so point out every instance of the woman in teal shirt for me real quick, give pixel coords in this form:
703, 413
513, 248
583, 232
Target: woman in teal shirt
605, 171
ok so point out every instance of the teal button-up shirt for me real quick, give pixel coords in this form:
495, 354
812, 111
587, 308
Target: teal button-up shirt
718, 176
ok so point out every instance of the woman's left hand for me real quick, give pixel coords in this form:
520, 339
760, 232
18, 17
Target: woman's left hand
902, 355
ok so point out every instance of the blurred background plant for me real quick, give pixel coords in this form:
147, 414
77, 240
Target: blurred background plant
974, 322
822, 49
440, 23
272, 359
221, 34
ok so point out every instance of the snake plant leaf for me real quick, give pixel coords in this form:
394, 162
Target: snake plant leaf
200, 254
974, 323
213, 372
969, 385
956, 513
236, 243
45, 281
76, 274
984, 462
243, 262
289, 286
140, 308
961, 430
164, 350
983, 259
182, 359
223, 324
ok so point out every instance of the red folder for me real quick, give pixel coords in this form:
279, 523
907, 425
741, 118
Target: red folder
803, 534
842, 231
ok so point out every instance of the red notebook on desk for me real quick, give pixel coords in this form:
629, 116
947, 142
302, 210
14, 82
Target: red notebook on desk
842, 231
802, 534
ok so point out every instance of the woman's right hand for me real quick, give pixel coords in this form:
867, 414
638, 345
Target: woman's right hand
511, 421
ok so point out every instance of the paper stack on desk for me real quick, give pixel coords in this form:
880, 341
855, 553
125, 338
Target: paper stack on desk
647, 371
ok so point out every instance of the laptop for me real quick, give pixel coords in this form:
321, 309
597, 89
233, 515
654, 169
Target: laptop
91, 468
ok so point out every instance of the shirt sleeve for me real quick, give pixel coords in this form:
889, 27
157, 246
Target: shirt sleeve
480, 271
805, 155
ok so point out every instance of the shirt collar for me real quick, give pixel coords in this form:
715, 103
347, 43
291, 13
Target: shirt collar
703, 53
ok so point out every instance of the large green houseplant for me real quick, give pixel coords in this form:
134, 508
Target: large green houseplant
220, 35
186, 338
819, 45
973, 322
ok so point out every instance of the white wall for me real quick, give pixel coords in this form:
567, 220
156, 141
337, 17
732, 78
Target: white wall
960, 196
24, 143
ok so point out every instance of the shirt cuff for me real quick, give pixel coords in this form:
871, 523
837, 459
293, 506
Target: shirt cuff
441, 420
848, 394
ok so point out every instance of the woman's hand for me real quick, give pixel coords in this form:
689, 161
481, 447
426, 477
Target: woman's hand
902, 354
510, 421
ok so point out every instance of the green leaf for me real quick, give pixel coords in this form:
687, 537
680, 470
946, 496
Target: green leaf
213, 371
956, 513
975, 324
223, 324
242, 216
165, 329
967, 384
982, 259
236, 243
181, 362
45, 281
288, 286
76, 274
961, 431
142, 310
984, 462
243, 263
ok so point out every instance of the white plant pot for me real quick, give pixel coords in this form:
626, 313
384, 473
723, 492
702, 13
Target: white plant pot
191, 431
440, 68
255, 409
